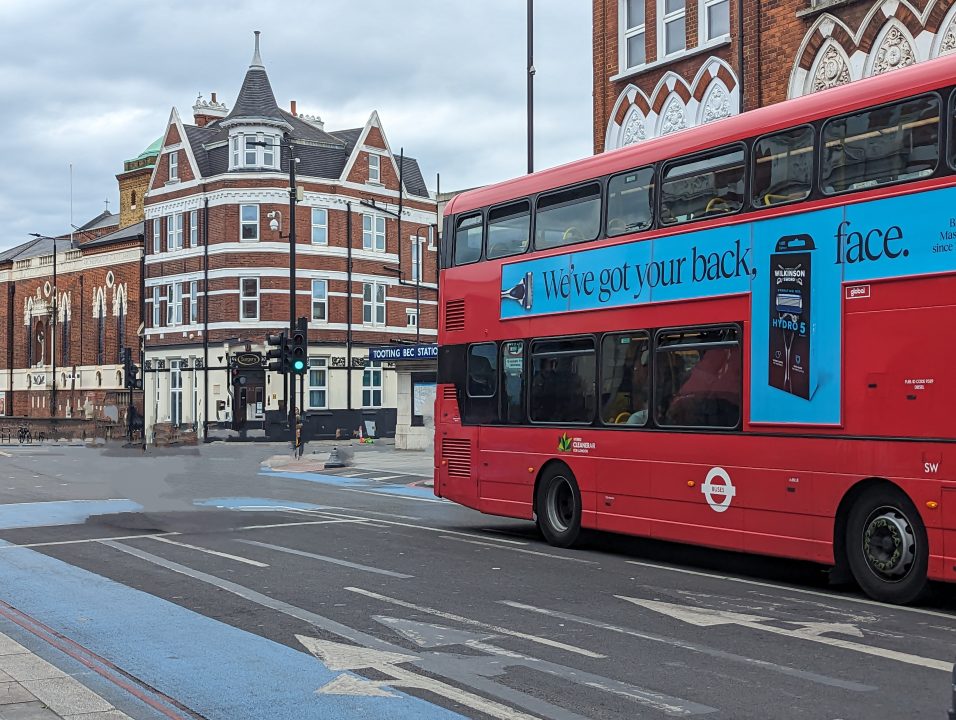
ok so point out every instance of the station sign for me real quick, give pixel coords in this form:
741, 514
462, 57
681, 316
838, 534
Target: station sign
403, 352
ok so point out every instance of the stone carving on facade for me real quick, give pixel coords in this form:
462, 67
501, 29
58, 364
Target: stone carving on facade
337, 361
674, 118
635, 129
831, 70
717, 105
948, 43
895, 52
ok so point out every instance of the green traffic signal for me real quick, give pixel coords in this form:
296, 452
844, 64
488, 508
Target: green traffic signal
298, 365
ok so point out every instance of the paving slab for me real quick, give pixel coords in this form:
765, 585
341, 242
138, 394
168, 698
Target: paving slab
13, 692
27, 711
27, 666
67, 695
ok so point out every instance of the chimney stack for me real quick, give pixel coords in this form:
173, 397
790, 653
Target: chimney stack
292, 107
207, 111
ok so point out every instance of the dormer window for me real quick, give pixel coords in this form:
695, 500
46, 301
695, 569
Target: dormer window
254, 150
174, 165
374, 168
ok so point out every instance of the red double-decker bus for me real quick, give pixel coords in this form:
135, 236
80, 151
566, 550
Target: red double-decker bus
739, 336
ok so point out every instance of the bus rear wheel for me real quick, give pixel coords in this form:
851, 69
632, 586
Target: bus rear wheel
887, 548
558, 507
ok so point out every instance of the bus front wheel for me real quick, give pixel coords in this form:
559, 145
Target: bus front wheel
887, 548
558, 506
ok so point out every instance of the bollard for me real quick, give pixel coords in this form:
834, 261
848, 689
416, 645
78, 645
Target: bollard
334, 460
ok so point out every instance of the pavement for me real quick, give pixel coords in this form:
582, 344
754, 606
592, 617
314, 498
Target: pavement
33, 689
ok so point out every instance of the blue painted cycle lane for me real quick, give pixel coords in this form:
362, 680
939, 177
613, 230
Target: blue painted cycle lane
218, 670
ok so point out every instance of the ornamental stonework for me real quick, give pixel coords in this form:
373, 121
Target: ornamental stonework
674, 118
895, 52
831, 71
635, 130
717, 105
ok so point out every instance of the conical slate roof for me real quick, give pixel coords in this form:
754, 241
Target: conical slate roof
256, 101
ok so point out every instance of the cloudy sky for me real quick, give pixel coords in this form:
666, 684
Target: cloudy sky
92, 84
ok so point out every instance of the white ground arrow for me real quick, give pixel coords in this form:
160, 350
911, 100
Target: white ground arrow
338, 656
811, 631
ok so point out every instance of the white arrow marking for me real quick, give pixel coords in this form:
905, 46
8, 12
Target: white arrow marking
817, 628
704, 617
338, 656
355, 686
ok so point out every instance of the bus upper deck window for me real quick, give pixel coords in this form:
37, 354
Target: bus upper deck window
630, 199
885, 145
509, 227
568, 216
468, 236
783, 167
703, 187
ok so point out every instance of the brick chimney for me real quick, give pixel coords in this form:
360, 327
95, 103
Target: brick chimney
206, 111
292, 108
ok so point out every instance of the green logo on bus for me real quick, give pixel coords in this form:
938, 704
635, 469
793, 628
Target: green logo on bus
564, 443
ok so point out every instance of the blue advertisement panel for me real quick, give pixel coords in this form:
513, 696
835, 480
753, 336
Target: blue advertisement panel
795, 268
796, 317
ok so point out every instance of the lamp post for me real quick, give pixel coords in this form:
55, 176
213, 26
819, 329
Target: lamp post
275, 224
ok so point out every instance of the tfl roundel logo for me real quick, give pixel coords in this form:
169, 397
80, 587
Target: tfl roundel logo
718, 494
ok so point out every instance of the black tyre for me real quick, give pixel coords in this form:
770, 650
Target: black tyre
558, 506
886, 545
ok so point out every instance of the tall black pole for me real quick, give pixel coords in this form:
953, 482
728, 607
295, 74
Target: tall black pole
530, 86
205, 321
292, 201
740, 53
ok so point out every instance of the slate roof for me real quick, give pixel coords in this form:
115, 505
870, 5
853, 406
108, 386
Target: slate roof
131, 232
33, 248
103, 220
321, 154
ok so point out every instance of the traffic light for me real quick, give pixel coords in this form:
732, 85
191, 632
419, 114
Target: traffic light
278, 354
130, 371
300, 347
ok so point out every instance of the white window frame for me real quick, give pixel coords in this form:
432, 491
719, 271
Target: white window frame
193, 228
268, 154
193, 302
320, 226
374, 306
157, 236
376, 166
248, 147
170, 233
236, 143
157, 315
178, 234
372, 383
174, 165
662, 22
706, 37
244, 298
626, 33
248, 222
321, 364
418, 251
169, 305
373, 232
176, 391
322, 300
411, 317
178, 303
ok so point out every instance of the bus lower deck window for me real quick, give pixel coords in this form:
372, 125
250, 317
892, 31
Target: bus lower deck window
625, 382
562, 380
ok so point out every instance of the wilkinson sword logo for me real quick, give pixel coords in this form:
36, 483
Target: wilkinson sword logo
521, 292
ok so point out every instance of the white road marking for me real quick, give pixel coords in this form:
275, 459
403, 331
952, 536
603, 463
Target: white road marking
5, 454
520, 550
386, 477
476, 623
788, 588
87, 540
227, 556
424, 527
693, 647
325, 558
706, 617
391, 495
303, 522
337, 656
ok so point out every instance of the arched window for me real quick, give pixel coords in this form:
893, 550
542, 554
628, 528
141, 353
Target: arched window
132, 198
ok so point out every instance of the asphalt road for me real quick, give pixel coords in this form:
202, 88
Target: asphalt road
198, 584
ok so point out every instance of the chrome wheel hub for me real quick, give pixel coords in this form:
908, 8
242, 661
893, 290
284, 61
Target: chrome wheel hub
889, 544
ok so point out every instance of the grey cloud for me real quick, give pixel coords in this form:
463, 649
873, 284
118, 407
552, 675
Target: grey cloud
92, 84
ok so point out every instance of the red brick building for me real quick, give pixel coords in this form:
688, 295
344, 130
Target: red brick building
217, 264
663, 65
65, 318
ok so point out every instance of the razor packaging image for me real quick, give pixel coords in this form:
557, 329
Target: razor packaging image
790, 326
